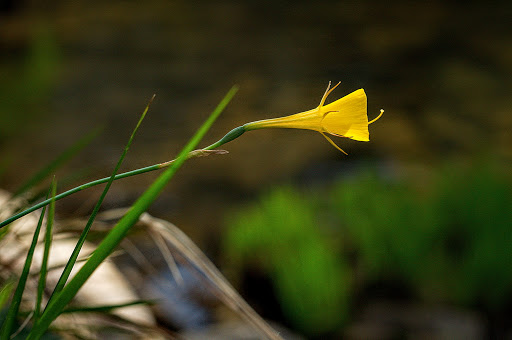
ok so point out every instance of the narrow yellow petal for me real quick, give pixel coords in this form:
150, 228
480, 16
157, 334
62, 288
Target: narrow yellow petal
327, 92
333, 144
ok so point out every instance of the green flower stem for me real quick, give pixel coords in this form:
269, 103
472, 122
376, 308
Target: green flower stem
233, 134
77, 189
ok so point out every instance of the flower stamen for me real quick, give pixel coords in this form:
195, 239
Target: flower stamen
375, 119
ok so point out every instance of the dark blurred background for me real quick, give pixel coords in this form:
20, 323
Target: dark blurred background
402, 237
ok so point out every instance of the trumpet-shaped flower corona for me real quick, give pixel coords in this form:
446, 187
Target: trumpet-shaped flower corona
346, 117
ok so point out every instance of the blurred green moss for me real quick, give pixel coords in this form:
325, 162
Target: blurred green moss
445, 244
281, 235
446, 241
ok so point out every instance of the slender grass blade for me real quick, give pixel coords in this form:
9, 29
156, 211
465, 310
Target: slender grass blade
72, 260
116, 235
46, 253
7, 327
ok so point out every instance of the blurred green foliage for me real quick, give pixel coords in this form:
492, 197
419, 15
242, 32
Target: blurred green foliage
475, 209
444, 243
5, 292
281, 235
27, 81
447, 239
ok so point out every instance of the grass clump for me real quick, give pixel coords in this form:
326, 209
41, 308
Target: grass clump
39, 319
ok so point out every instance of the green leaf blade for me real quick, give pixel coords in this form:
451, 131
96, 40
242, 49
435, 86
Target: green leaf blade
74, 256
116, 235
7, 327
46, 253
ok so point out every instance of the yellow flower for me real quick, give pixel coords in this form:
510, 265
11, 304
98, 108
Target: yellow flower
345, 117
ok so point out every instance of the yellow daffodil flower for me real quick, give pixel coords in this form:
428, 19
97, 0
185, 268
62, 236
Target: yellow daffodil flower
345, 117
